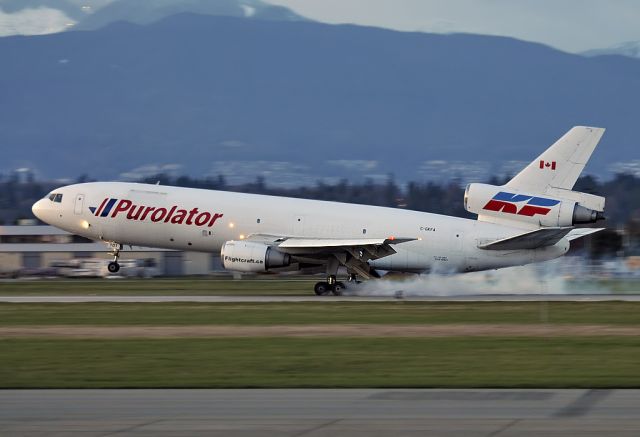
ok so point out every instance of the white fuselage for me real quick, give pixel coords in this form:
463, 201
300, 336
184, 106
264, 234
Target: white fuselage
203, 220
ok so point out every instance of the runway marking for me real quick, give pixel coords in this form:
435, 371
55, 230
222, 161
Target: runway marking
583, 404
319, 427
329, 330
132, 428
502, 429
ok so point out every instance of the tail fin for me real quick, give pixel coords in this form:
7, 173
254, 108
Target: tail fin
561, 164
541, 195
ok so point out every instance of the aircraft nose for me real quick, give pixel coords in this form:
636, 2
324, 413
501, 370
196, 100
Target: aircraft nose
38, 208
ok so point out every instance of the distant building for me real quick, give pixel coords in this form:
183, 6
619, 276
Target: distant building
38, 247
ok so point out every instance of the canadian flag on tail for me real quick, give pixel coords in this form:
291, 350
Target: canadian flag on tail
547, 164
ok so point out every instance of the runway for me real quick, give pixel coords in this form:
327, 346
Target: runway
301, 412
310, 298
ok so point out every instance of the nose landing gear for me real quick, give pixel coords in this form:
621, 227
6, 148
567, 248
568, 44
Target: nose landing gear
113, 266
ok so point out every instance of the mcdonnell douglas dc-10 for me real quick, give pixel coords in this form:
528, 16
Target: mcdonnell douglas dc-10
530, 219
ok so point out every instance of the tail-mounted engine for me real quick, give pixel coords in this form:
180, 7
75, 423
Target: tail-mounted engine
246, 256
564, 208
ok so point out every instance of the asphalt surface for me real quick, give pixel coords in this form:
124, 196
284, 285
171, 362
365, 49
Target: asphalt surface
300, 412
285, 298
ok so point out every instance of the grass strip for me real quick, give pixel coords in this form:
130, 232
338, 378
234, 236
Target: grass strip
248, 286
292, 313
321, 362
159, 287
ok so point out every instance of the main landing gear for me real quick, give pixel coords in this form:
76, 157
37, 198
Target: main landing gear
332, 286
113, 266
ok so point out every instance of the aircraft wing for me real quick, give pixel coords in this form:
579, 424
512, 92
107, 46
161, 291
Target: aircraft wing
350, 252
529, 240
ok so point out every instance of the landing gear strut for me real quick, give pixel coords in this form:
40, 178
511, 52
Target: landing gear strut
332, 285
113, 266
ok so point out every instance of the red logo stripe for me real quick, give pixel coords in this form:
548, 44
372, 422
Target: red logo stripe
99, 210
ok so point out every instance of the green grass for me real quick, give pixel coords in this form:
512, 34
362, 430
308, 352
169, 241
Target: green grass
161, 287
393, 312
321, 362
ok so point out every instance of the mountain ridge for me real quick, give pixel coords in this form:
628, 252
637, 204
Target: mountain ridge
300, 99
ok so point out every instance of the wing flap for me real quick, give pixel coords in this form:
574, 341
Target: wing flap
529, 240
298, 243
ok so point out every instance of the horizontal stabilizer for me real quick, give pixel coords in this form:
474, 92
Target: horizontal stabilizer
529, 240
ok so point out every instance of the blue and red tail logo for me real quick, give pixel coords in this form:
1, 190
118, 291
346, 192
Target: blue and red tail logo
510, 203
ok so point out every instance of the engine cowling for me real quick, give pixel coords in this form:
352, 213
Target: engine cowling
508, 204
247, 256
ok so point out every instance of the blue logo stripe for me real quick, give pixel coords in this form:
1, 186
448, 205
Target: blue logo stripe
510, 197
107, 208
536, 201
541, 201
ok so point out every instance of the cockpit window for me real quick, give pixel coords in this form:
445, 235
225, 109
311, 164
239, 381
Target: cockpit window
55, 197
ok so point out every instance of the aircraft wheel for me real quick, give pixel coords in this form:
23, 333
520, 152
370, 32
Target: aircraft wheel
113, 267
337, 288
321, 289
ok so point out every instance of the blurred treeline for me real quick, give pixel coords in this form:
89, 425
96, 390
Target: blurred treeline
19, 191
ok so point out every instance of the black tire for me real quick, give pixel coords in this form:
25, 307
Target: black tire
113, 267
337, 288
322, 289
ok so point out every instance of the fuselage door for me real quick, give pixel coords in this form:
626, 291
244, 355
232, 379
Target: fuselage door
77, 209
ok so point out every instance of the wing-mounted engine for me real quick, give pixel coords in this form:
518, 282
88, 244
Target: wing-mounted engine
249, 256
501, 203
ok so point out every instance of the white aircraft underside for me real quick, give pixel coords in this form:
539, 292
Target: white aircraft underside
529, 219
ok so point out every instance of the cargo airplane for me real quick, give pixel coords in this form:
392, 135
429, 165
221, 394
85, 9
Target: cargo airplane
529, 219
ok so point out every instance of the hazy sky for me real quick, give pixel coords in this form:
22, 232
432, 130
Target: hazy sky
570, 25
